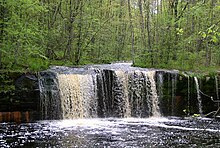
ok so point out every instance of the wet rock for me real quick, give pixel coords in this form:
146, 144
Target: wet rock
23, 93
26, 81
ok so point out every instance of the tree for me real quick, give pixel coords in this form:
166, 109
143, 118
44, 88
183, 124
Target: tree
132, 32
151, 33
20, 34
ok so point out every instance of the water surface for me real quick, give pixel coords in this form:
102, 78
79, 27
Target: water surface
113, 132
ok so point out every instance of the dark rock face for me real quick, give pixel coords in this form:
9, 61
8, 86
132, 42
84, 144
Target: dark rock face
23, 95
178, 94
27, 81
50, 102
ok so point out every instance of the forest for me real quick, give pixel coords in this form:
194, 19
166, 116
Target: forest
172, 34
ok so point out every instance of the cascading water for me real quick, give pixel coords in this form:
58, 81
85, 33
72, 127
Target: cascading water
188, 94
49, 93
198, 96
160, 85
122, 92
77, 95
174, 82
112, 90
155, 101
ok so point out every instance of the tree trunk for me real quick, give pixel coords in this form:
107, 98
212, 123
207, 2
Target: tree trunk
132, 32
143, 36
79, 43
120, 32
69, 52
150, 52
48, 52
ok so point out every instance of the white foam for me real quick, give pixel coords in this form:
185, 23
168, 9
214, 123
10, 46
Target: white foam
113, 124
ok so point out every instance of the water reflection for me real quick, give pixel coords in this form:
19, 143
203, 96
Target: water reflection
112, 132
16, 116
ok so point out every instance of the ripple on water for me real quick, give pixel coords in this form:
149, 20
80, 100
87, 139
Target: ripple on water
128, 132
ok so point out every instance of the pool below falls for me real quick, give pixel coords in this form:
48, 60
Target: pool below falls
113, 132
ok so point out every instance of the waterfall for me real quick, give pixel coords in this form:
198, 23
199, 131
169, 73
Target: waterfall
122, 80
77, 95
50, 101
104, 92
198, 96
136, 94
155, 101
188, 95
160, 85
173, 91
143, 98
98, 91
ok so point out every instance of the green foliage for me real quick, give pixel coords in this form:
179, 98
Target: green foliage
37, 34
37, 64
6, 83
21, 33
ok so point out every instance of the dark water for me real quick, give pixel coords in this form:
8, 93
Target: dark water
112, 132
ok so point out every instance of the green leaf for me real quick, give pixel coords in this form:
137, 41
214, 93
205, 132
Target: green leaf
209, 31
204, 35
214, 39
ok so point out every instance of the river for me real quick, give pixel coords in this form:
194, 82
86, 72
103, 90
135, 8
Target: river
112, 133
